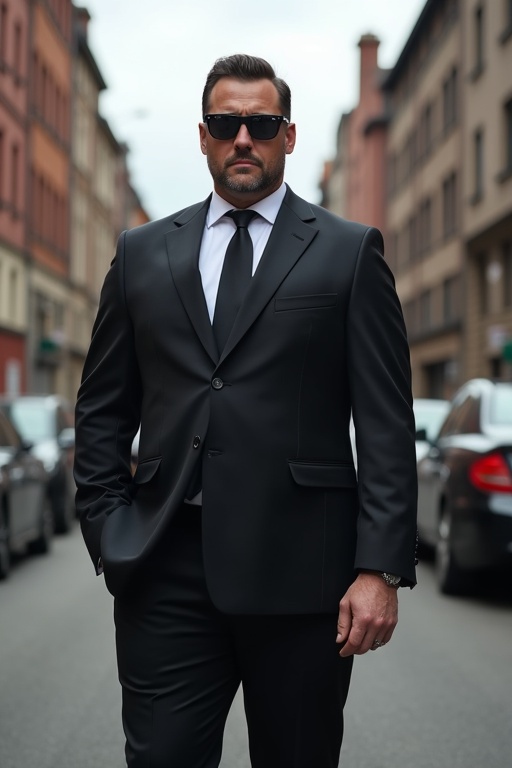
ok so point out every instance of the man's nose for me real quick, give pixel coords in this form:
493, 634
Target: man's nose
243, 139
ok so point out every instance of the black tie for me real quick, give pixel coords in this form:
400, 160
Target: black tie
235, 277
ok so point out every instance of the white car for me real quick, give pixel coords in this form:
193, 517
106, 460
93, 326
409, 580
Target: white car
429, 414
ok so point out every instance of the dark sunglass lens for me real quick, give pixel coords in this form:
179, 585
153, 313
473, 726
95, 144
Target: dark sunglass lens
223, 126
264, 127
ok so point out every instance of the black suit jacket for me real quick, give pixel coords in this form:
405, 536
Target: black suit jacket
286, 522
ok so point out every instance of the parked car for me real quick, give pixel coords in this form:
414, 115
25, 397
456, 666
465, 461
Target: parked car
26, 517
46, 421
429, 415
465, 486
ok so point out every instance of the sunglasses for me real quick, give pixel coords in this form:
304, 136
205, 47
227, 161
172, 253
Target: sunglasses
261, 127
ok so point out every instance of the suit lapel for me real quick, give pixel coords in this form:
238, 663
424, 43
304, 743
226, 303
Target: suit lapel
290, 237
183, 245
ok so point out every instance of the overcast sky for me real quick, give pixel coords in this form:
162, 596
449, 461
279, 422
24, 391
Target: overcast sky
155, 55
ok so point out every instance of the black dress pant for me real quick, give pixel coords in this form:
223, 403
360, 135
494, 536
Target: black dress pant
181, 662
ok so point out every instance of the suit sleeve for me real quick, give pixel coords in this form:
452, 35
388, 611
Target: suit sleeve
107, 411
380, 382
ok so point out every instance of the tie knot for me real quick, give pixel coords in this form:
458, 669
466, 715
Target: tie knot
242, 218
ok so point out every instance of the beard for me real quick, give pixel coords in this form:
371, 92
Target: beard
269, 178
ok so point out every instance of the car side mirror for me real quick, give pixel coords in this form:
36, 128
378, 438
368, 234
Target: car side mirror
66, 438
25, 446
421, 434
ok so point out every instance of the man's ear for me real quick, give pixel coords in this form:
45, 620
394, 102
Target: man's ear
202, 137
290, 137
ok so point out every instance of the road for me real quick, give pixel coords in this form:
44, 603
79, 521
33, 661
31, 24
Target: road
439, 696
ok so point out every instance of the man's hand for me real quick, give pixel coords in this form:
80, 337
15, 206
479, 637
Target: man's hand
368, 614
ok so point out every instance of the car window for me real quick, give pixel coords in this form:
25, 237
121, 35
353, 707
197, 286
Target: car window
8, 437
500, 411
470, 416
429, 415
32, 419
450, 425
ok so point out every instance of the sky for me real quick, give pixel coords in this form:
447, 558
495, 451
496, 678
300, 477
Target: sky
154, 56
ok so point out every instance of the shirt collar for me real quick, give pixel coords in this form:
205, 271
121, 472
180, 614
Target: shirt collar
268, 207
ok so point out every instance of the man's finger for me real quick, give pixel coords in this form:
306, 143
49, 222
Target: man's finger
344, 622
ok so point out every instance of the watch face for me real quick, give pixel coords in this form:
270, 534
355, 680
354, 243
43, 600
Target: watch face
391, 579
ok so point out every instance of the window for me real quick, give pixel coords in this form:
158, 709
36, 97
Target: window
425, 310
2, 166
425, 226
13, 292
426, 131
15, 174
450, 206
392, 173
507, 274
479, 42
17, 53
507, 120
412, 240
409, 312
483, 283
435, 375
450, 300
507, 25
3, 32
478, 166
43, 98
450, 99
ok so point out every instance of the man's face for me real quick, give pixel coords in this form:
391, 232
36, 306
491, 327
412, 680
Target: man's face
244, 170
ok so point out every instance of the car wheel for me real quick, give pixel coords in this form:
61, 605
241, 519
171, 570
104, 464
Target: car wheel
451, 579
42, 544
5, 552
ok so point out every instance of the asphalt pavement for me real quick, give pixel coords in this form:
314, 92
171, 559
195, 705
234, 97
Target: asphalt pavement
438, 696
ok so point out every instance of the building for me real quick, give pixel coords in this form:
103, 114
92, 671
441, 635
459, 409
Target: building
447, 203
424, 182
353, 185
487, 186
65, 195
49, 163
103, 200
14, 39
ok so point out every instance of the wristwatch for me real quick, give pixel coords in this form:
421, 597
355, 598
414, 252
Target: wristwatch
391, 579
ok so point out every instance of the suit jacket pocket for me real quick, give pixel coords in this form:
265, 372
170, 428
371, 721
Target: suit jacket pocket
313, 301
146, 470
320, 475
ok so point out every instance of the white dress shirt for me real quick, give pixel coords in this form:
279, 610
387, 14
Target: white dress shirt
218, 231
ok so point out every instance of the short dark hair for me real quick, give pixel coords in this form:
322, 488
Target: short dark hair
244, 67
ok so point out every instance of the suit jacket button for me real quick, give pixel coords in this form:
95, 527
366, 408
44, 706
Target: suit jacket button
197, 442
217, 383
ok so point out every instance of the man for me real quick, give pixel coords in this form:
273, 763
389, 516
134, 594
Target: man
245, 550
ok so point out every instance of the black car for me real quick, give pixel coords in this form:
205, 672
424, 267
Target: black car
46, 421
25, 511
465, 486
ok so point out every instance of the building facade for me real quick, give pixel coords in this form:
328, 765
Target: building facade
14, 41
65, 195
424, 184
447, 202
49, 142
487, 186
353, 185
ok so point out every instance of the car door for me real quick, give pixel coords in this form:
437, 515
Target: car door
24, 483
432, 474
